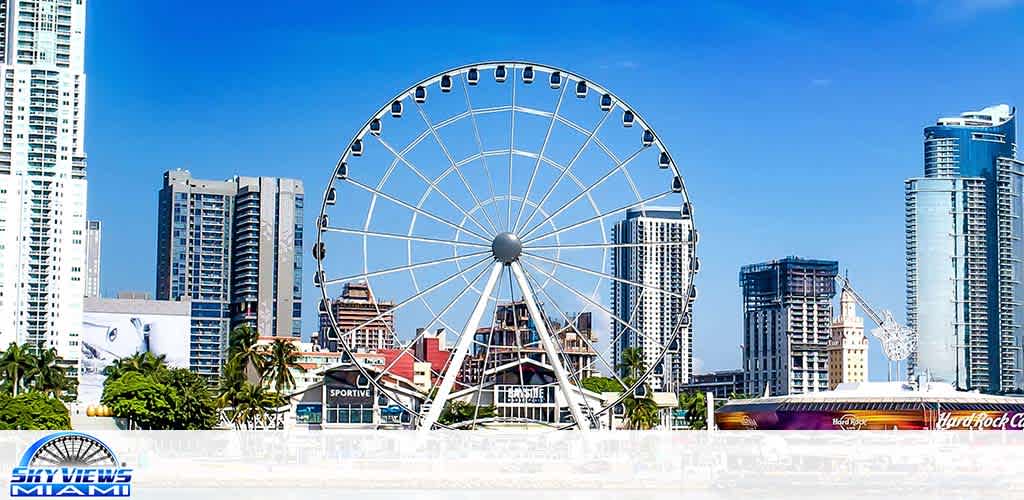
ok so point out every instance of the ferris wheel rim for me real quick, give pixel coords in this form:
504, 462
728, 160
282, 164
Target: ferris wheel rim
461, 71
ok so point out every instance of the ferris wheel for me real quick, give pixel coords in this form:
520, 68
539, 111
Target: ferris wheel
491, 202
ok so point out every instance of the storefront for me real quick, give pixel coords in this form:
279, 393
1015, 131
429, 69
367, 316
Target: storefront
345, 399
525, 393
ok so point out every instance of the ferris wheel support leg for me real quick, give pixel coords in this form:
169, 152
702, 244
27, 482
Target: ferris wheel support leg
461, 350
549, 347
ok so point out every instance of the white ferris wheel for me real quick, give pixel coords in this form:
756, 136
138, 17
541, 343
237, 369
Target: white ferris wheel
482, 201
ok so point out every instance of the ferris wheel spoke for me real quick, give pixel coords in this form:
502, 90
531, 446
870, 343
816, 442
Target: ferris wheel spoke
632, 319
549, 346
589, 300
416, 296
598, 217
461, 350
540, 156
601, 275
432, 184
568, 167
405, 237
415, 209
458, 172
587, 246
479, 144
487, 353
434, 320
409, 267
572, 324
619, 166
565, 360
511, 148
473, 342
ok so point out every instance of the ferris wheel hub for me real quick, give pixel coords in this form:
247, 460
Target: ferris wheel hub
506, 247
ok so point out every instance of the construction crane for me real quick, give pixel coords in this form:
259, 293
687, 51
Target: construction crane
898, 341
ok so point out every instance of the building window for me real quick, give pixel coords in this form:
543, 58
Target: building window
350, 414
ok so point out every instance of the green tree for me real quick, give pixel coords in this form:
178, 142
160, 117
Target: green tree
254, 405
242, 346
601, 384
140, 399
145, 363
279, 359
15, 363
232, 379
151, 396
461, 411
193, 407
641, 413
33, 411
47, 376
695, 406
631, 362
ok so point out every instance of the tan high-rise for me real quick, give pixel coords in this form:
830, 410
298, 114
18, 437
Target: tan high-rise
848, 347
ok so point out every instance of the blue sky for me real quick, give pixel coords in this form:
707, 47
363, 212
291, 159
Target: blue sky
794, 125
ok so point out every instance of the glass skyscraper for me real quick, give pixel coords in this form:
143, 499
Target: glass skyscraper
234, 248
964, 269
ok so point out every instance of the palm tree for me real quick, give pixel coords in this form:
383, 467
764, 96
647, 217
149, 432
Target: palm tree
696, 408
15, 363
46, 374
253, 405
278, 361
232, 380
243, 347
145, 363
641, 413
632, 362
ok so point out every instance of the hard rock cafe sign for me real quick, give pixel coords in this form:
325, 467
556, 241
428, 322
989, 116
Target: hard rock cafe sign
979, 420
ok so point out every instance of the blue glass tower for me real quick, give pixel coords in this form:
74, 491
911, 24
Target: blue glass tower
963, 223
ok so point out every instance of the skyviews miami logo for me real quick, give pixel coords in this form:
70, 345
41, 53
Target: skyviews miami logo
70, 464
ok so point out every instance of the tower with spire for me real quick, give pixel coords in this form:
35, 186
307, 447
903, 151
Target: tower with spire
848, 347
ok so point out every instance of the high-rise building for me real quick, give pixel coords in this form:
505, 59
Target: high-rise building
266, 280
357, 305
722, 384
652, 313
234, 248
42, 174
787, 317
848, 347
513, 336
964, 253
93, 237
194, 260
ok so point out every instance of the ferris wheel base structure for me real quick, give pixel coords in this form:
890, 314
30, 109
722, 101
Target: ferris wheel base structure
462, 348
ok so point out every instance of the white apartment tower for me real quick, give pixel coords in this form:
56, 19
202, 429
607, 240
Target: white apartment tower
42, 173
848, 347
93, 239
655, 314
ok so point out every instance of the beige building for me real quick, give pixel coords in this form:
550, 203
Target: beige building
848, 347
356, 306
